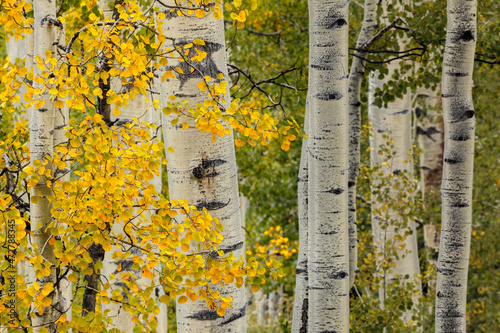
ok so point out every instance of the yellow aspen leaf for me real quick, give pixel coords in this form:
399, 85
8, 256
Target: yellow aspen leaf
59, 104
97, 92
182, 300
199, 13
185, 247
170, 149
72, 277
221, 312
179, 70
198, 41
39, 104
220, 76
35, 199
75, 142
185, 125
255, 288
161, 16
116, 112
202, 86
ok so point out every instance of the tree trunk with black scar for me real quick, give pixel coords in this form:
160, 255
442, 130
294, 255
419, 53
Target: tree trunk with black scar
456, 189
41, 149
199, 170
430, 135
328, 236
301, 307
355, 77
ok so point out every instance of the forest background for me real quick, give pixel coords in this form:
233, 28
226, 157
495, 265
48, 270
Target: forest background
268, 60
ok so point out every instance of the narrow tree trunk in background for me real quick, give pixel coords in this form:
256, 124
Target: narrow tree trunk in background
355, 77
328, 236
300, 306
456, 189
201, 171
395, 237
41, 148
430, 134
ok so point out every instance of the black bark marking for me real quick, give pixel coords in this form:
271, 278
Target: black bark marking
201, 170
322, 67
458, 74
464, 116
235, 316
234, 247
396, 172
467, 36
205, 315
460, 204
454, 158
335, 190
329, 96
419, 112
332, 22
351, 184
96, 252
461, 133
206, 67
329, 233
405, 111
43, 109
357, 104
304, 317
211, 205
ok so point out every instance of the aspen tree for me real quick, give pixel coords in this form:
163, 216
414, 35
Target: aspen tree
355, 77
430, 135
456, 189
41, 150
202, 168
394, 233
301, 302
328, 238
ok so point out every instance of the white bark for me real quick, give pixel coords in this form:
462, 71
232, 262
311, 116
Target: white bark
393, 123
456, 189
395, 236
301, 305
430, 134
41, 147
355, 77
328, 238
201, 171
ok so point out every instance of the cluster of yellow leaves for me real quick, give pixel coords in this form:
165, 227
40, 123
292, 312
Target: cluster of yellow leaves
239, 11
12, 17
112, 191
274, 248
253, 125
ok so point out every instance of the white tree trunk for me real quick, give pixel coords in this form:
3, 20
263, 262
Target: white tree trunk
456, 189
430, 134
201, 171
395, 236
328, 238
355, 77
301, 302
41, 148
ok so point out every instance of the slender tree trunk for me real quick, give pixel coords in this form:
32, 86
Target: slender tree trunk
355, 77
199, 170
41, 149
394, 233
301, 302
328, 237
430, 134
456, 189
